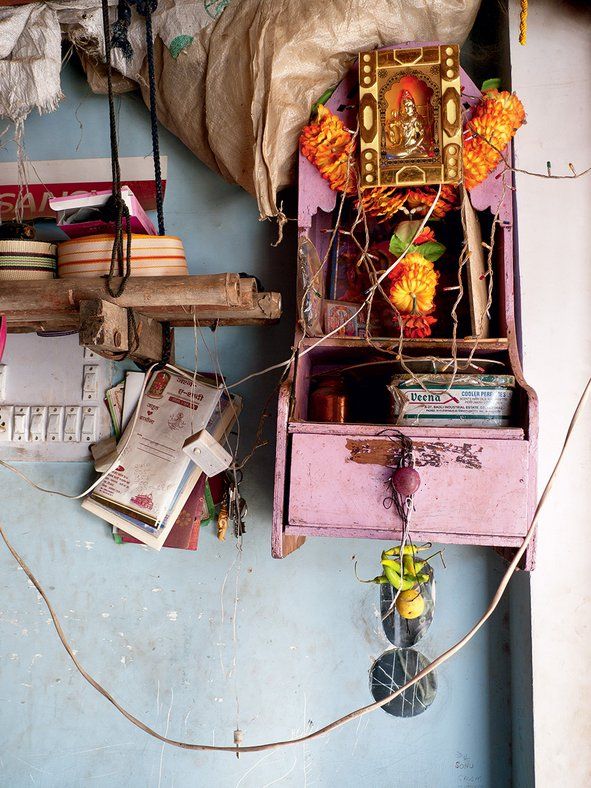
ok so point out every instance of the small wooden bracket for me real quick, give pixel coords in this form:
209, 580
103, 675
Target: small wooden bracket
104, 328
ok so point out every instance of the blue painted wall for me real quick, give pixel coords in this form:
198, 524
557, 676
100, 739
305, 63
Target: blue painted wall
157, 629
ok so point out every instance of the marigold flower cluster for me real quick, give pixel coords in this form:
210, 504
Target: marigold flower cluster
488, 132
412, 291
329, 145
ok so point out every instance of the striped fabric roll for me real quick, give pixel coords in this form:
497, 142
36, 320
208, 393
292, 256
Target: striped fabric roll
151, 255
27, 260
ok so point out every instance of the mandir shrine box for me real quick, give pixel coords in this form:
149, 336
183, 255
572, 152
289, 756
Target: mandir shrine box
478, 484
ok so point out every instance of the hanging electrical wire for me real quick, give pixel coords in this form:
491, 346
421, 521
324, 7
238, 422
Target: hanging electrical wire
357, 713
120, 266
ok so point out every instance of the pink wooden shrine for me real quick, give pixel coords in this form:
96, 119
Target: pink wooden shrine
478, 485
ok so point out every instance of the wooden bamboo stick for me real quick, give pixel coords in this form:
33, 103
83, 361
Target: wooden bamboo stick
51, 300
266, 309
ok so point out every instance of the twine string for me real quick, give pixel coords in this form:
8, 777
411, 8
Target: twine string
357, 713
442, 658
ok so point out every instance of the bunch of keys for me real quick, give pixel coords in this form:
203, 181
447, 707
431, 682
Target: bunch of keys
233, 507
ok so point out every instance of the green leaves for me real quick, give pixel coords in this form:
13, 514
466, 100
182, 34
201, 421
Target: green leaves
405, 232
397, 245
323, 99
432, 250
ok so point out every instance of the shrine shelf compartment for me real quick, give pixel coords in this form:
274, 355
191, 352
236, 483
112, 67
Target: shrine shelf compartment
478, 485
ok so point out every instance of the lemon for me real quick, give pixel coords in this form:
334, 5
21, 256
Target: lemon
410, 604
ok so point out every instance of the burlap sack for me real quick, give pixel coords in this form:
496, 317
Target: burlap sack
240, 93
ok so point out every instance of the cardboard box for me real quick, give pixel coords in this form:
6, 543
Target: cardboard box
82, 214
465, 401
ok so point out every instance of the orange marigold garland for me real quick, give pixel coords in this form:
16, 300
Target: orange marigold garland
490, 129
421, 199
382, 202
413, 282
328, 144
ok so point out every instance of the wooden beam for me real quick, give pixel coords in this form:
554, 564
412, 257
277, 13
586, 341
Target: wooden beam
104, 328
64, 295
52, 304
437, 344
265, 310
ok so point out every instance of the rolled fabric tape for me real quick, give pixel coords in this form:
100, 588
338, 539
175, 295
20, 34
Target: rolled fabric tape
27, 260
151, 255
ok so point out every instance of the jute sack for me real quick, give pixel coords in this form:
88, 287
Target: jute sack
240, 93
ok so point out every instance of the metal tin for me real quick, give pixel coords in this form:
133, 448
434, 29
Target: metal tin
329, 401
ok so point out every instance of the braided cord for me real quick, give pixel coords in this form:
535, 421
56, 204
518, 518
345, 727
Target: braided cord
147, 11
117, 207
121, 41
120, 261
523, 22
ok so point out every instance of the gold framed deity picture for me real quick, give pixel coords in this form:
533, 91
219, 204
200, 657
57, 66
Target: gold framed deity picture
410, 118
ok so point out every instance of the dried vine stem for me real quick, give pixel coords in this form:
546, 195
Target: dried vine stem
353, 715
545, 175
442, 658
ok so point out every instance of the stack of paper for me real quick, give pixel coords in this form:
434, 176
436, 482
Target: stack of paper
151, 485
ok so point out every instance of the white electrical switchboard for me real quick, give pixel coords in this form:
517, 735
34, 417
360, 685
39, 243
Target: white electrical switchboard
51, 399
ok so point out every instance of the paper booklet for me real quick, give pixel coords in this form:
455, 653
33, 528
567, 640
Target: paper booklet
145, 494
131, 395
114, 401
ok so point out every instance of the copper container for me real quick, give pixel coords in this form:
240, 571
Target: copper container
329, 402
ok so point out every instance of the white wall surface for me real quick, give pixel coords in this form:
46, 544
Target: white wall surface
552, 75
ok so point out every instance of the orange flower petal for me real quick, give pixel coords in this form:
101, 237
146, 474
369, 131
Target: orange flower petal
492, 126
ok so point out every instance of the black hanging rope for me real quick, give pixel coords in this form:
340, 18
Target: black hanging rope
120, 262
121, 41
153, 117
116, 208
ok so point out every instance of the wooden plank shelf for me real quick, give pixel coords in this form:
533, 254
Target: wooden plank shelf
54, 305
497, 344
379, 430
131, 325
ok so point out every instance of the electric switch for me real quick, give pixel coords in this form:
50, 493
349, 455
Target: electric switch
55, 418
20, 430
90, 382
38, 423
72, 424
6, 416
88, 425
3, 370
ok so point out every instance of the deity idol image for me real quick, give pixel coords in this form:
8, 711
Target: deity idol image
406, 128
